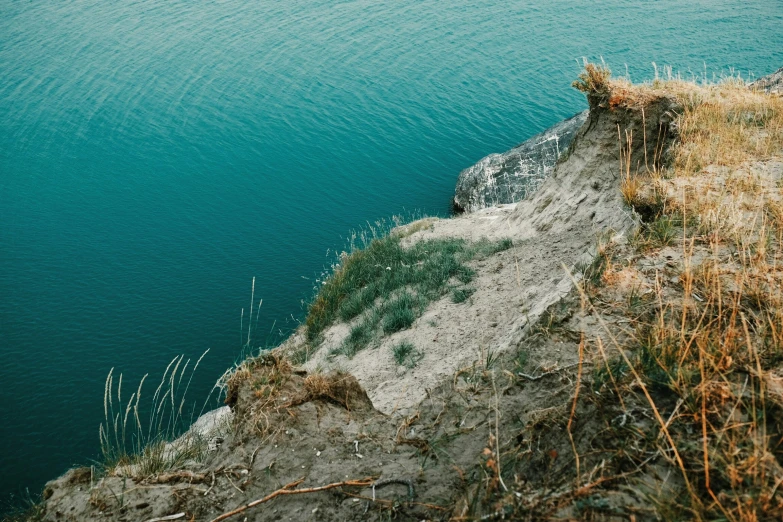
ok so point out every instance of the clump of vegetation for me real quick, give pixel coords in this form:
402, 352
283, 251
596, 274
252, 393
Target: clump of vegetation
406, 354
130, 446
24, 509
460, 295
400, 312
594, 80
389, 284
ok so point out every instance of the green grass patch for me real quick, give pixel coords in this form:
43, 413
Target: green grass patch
406, 354
660, 232
391, 284
400, 312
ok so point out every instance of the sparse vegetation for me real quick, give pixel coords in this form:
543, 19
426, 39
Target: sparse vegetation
460, 295
388, 285
708, 338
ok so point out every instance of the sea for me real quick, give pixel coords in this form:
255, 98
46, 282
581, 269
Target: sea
157, 155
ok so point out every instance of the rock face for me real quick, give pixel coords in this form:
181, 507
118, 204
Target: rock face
772, 83
511, 176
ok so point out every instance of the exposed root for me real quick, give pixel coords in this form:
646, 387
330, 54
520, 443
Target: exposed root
288, 490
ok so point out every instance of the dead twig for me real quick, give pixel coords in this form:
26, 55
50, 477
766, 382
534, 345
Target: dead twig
212, 486
232, 482
288, 490
253, 457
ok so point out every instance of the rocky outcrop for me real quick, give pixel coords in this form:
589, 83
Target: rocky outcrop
509, 177
772, 83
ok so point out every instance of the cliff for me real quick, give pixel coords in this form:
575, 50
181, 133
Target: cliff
607, 348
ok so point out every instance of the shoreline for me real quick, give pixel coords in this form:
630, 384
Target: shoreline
511, 305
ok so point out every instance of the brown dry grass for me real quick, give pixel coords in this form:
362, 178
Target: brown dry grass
338, 388
710, 335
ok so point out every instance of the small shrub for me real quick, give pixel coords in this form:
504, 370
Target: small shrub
594, 80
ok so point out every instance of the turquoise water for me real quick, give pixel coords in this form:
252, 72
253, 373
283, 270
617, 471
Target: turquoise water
156, 155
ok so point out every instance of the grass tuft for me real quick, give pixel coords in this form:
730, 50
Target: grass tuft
406, 354
399, 313
132, 447
594, 80
460, 295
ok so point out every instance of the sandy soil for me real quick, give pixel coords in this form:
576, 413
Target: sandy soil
554, 233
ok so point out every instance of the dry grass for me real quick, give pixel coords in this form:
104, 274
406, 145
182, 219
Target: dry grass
725, 129
133, 447
269, 383
709, 337
338, 388
594, 80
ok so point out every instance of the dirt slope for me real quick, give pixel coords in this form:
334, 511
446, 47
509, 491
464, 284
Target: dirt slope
558, 227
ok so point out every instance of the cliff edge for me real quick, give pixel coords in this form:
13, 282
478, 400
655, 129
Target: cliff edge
607, 348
